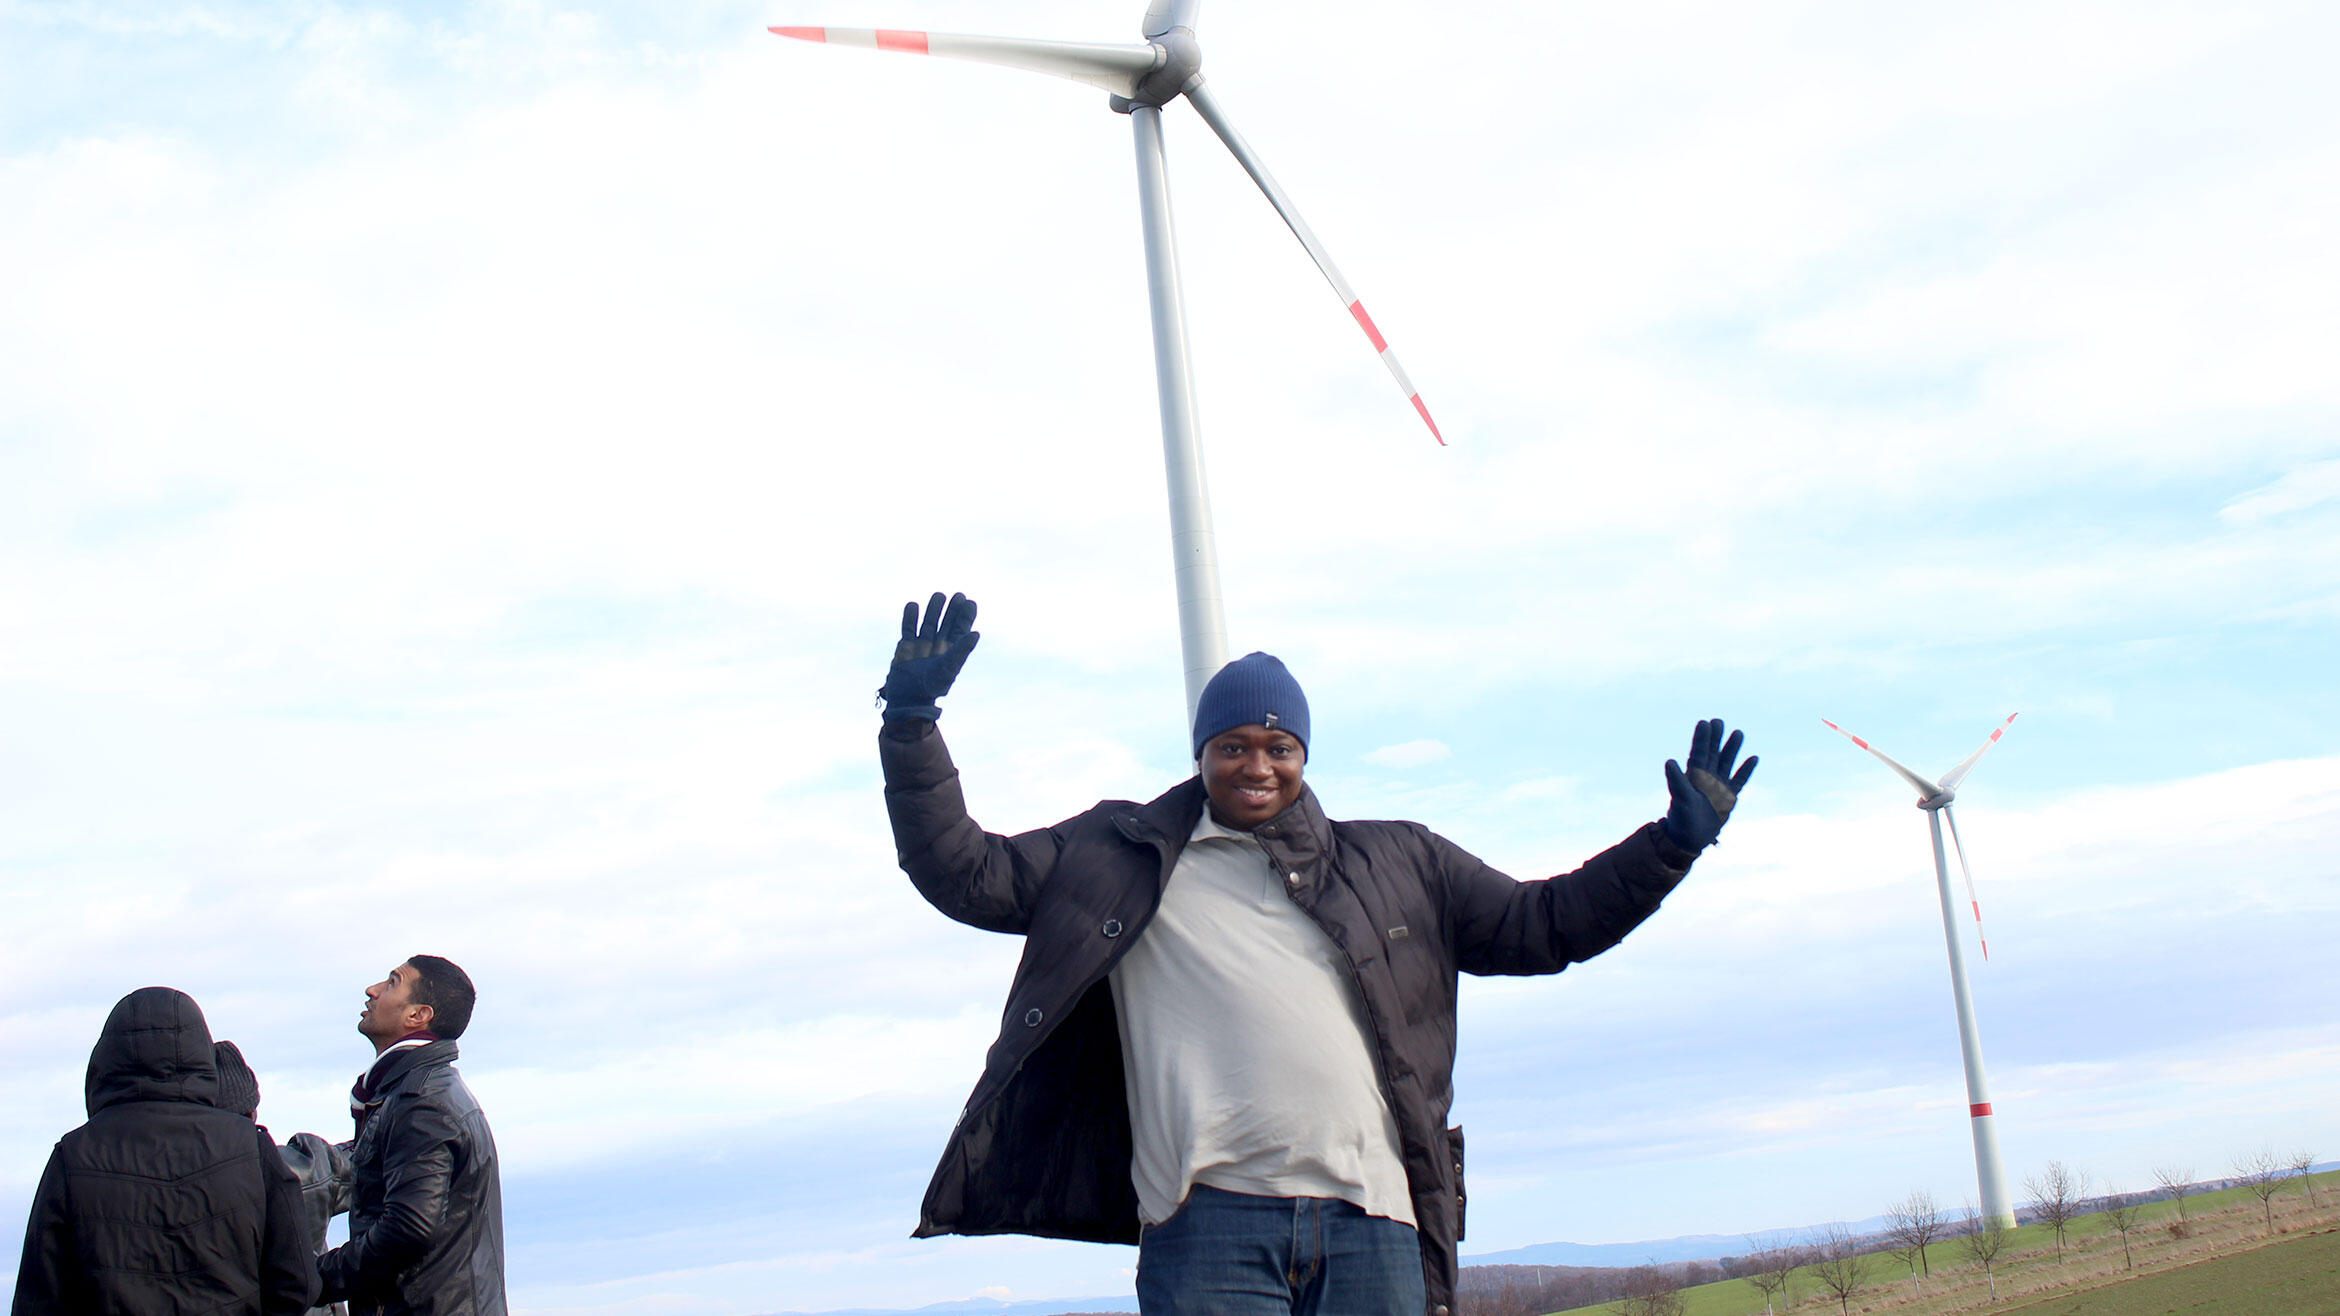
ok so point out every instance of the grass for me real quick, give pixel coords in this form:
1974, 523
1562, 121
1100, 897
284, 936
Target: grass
2224, 1252
2298, 1276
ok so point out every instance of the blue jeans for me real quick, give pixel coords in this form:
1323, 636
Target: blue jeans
1233, 1254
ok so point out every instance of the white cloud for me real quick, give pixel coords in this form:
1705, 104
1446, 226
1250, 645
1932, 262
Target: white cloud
2296, 491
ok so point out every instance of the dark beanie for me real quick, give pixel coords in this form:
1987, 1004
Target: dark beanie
1253, 689
239, 1087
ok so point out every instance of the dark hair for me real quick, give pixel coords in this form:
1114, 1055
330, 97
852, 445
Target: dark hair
447, 990
239, 1087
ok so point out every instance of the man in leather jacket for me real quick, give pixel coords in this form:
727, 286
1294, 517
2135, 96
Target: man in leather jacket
426, 1218
1231, 1036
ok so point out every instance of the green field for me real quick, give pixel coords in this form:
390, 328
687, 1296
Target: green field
2299, 1276
2296, 1277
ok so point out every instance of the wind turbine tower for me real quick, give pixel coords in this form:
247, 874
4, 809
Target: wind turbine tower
1142, 79
1934, 797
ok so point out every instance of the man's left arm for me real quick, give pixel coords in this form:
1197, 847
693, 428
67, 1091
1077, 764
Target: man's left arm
421, 1161
1504, 926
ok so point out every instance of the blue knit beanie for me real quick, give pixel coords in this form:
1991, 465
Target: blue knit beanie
1253, 689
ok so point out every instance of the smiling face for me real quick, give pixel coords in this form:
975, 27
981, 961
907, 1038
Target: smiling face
391, 1011
1251, 774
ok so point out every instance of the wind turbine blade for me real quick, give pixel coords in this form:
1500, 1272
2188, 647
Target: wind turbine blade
1951, 779
1162, 15
1209, 109
1114, 68
1950, 816
1926, 790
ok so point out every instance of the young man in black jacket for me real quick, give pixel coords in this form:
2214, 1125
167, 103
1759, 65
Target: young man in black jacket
1231, 1036
426, 1217
164, 1202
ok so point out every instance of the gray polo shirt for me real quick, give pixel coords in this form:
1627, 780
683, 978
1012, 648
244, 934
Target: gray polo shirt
1244, 1043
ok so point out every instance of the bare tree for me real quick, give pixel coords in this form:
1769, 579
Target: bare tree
2124, 1212
1985, 1238
2303, 1164
1650, 1291
1914, 1224
1771, 1267
2056, 1193
2177, 1183
2261, 1175
1837, 1265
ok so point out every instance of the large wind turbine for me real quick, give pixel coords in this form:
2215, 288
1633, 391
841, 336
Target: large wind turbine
1934, 797
1142, 79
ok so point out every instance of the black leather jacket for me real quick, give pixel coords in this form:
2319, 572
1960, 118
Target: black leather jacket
1043, 1146
163, 1203
426, 1216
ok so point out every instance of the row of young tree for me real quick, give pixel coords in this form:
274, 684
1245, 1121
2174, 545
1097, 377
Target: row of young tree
1839, 1262
2060, 1194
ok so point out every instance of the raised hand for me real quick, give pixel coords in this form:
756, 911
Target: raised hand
1704, 795
929, 656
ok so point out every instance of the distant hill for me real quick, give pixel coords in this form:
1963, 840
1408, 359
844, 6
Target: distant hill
1688, 1247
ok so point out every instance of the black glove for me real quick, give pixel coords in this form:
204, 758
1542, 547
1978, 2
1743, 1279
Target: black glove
929, 657
1703, 796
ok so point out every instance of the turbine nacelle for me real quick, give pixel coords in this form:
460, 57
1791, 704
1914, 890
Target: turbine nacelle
1935, 797
1177, 70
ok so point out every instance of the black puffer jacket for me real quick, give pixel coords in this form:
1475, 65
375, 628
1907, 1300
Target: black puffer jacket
163, 1203
1043, 1146
426, 1217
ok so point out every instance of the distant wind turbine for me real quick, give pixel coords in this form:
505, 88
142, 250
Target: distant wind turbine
1142, 79
1934, 797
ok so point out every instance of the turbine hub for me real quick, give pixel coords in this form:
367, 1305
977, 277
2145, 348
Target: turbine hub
1177, 66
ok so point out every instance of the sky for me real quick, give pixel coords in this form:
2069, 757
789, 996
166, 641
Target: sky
461, 465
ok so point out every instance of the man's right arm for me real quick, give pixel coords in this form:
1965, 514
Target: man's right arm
421, 1161
979, 878
975, 877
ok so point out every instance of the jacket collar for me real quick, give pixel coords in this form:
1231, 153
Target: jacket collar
1297, 838
392, 1067
1168, 818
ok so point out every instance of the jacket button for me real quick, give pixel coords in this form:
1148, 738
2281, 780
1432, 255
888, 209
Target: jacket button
1439, 1310
1112, 927
1269, 830
1032, 1017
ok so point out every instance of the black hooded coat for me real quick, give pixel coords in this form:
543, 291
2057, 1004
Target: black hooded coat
163, 1203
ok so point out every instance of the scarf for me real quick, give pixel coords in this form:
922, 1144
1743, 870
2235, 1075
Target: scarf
361, 1095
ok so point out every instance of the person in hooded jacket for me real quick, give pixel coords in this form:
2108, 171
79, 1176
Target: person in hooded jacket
1231, 1037
426, 1215
163, 1204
